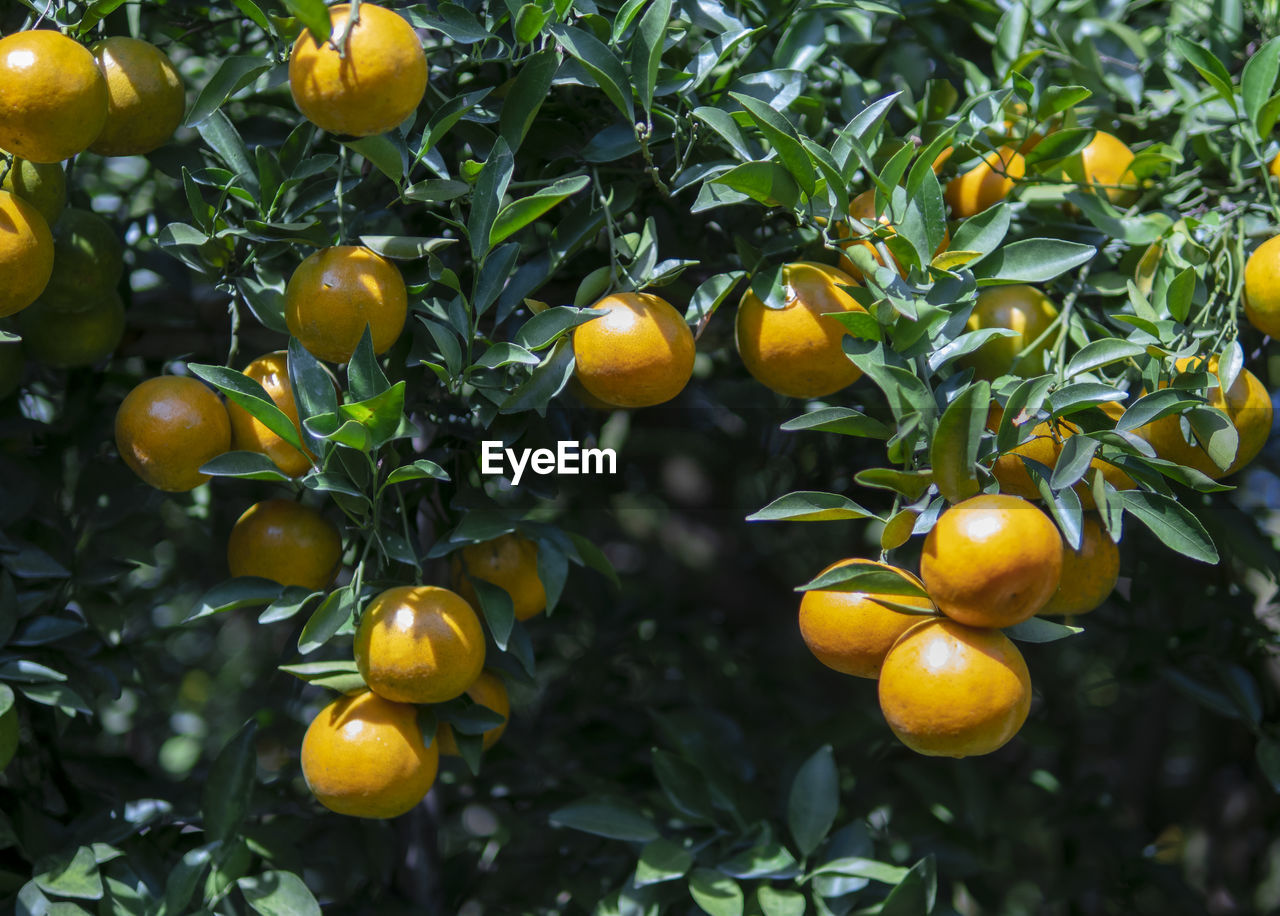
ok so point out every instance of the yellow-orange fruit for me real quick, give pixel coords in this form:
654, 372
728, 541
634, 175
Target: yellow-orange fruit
509, 562
1089, 574
271, 371
1262, 286
640, 353
168, 427
145, 100
863, 207
287, 542
986, 184
26, 254
487, 691
1106, 161
1019, 308
54, 98
336, 292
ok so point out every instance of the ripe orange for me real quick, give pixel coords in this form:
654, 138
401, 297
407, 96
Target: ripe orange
419, 644
1044, 446
336, 292
488, 691
145, 101
863, 207
1262, 286
1274, 168
11, 365
992, 561
168, 427
271, 371
364, 756
72, 339
948, 690
26, 254
1089, 574
509, 562
88, 261
41, 184
373, 86
849, 631
287, 542
1106, 162
986, 184
638, 355
795, 350
1019, 308
1248, 404
55, 98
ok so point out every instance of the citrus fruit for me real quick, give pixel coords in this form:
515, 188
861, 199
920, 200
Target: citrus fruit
168, 427
948, 690
26, 254
419, 644
8, 726
1247, 404
509, 562
336, 292
1274, 168
1089, 574
1105, 163
373, 86
88, 261
286, 542
145, 101
68, 340
991, 561
863, 207
850, 632
1022, 309
797, 350
55, 98
271, 371
11, 365
1262, 287
640, 353
1044, 446
364, 756
41, 184
487, 691
986, 184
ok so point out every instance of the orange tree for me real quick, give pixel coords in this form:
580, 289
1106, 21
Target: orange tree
273, 636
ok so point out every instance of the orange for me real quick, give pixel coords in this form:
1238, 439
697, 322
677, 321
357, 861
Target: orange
11, 365
287, 542
849, 631
373, 86
991, 561
1106, 162
1089, 574
55, 98
1044, 446
1248, 404
419, 644
509, 562
26, 254
364, 756
271, 371
41, 184
638, 354
796, 350
1019, 308
168, 427
948, 690
489, 692
1262, 286
145, 101
863, 207
336, 292
1274, 168
986, 184
73, 339
88, 262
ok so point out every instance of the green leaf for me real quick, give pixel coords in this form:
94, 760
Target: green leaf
402, 247
546, 380
230, 785
1268, 755
422, 469
775, 902
527, 93
1099, 353
245, 392
519, 213
549, 325
916, 894
615, 819
232, 75
222, 137
1057, 99
843, 420
1208, 66
768, 183
911, 484
314, 16
498, 610
337, 674
984, 231
1037, 629
529, 22
863, 577
76, 877
244, 465
1174, 525
330, 617
278, 893
954, 451
782, 137
813, 800
646, 50
1257, 81
603, 65
661, 861
491, 186
245, 591
385, 151
716, 894
810, 506
1032, 261
856, 867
